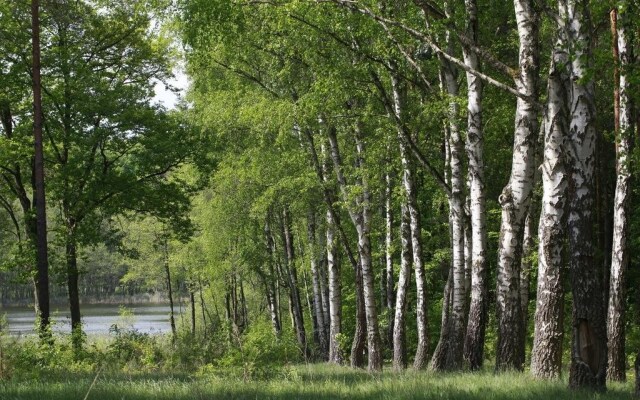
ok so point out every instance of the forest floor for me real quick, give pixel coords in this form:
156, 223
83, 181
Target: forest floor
302, 382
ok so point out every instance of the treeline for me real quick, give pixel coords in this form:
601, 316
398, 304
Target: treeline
430, 180
432, 183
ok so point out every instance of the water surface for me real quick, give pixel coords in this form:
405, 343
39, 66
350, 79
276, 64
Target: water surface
96, 319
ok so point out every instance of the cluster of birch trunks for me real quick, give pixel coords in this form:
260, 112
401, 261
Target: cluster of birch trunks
554, 144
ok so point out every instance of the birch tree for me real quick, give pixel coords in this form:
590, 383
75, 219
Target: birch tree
546, 355
589, 344
475, 334
620, 252
516, 195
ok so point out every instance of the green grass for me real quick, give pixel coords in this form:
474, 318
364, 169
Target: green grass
303, 382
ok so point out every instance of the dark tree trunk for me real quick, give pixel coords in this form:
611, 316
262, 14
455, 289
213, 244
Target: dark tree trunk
637, 368
42, 260
193, 312
167, 272
203, 308
439, 358
292, 276
74, 295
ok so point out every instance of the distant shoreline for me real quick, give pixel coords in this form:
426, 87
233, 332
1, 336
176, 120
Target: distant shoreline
147, 298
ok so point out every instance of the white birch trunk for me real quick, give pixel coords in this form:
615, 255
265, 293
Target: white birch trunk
399, 336
474, 339
453, 333
374, 344
546, 356
456, 207
589, 349
525, 268
620, 251
315, 283
516, 195
333, 269
360, 214
390, 280
408, 181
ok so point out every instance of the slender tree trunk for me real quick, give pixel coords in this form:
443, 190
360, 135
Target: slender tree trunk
637, 369
360, 333
298, 318
269, 281
323, 286
335, 293
42, 260
546, 356
192, 298
442, 349
476, 325
457, 216
516, 196
589, 347
408, 181
361, 218
203, 308
317, 291
333, 269
374, 344
72, 286
390, 280
620, 253
526, 266
167, 272
357, 349
399, 328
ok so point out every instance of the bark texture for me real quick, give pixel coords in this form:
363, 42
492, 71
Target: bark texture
620, 251
516, 195
390, 296
316, 287
411, 204
476, 324
292, 282
399, 336
456, 319
546, 356
360, 214
589, 344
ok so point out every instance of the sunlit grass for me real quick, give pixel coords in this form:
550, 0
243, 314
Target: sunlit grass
305, 382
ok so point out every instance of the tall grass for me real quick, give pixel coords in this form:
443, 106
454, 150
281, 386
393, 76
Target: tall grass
315, 381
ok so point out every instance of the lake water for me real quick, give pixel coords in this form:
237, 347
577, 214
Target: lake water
96, 319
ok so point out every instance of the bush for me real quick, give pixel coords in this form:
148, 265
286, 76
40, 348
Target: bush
133, 350
257, 354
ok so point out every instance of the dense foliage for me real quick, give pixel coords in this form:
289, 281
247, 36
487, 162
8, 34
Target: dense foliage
359, 182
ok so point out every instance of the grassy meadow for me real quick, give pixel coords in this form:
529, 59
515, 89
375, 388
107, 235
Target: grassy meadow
313, 381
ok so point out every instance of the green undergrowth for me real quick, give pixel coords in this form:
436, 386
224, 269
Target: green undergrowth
128, 364
313, 381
